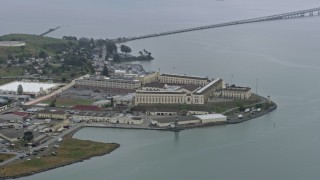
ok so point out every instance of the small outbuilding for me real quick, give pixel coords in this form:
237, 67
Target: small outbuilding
180, 120
212, 118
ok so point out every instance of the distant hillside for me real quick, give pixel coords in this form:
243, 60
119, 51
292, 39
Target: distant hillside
34, 44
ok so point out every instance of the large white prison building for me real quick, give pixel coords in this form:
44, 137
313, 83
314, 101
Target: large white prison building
108, 82
159, 94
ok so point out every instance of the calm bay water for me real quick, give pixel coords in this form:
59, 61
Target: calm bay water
283, 56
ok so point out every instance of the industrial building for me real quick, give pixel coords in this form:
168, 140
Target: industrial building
34, 89
91, 116
190, 120
13, 117
126, 100
234, 92
126, 119
52, 114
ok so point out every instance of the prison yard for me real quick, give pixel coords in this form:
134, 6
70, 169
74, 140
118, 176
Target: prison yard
66, 102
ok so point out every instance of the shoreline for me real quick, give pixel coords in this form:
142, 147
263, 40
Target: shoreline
271, 109
186, 127
58, 166
67, 163
71, 134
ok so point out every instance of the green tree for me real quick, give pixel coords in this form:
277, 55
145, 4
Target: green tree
2, 60
10, 57
52, 104
258, 106
111, 47
63, 79
111, 101
20, 89
125, 49
43, 54
100, 42
70, 38
116, 58
84, 42
28, 136
105, 71
72, 75
21, 60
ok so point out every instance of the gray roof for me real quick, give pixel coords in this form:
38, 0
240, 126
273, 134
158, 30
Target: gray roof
160, 92
209, 86
93, 114
174, 118
234, 88
51, 112
190, 87
185, 76
155, 85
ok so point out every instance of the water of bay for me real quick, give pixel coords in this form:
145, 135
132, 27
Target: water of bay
282, 55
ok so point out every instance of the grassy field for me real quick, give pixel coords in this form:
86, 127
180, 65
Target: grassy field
34, 44
4, 157
5, 81
69, 102
70, 151
12, 71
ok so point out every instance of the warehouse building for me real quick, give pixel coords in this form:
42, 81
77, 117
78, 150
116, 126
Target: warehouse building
190, 120
52, 114
180, 120
212, 118
126, 119
34, 89
91, 116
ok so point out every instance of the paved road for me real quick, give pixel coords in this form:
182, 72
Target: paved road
47, 143
10, 109
63, 133
42, 98
10, 160
262, 101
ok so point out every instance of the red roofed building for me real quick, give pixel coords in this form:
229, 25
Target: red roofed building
13, 116
22, 114
87, 108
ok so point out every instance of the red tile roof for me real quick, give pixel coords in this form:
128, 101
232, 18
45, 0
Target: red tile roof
22, 114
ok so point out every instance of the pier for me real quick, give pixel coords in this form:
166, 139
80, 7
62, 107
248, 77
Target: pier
283, 16
49, 31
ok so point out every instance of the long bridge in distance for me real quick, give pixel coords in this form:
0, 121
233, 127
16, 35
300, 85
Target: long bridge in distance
289, 15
